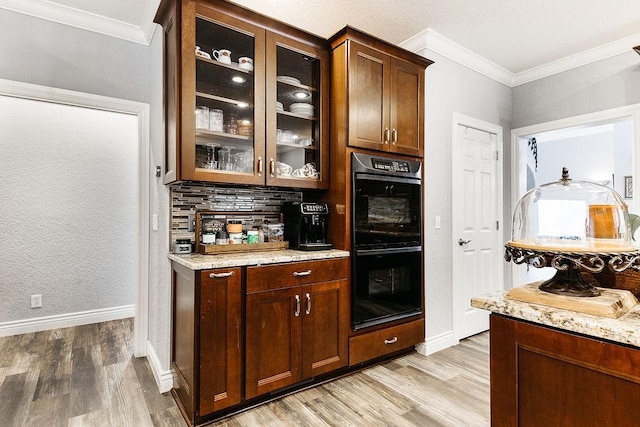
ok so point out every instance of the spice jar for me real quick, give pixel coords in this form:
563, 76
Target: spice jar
252, 236
223, 238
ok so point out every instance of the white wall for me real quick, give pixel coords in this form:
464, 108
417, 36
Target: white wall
451, 87
69, 208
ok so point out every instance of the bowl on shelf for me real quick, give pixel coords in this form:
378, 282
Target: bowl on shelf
279, 106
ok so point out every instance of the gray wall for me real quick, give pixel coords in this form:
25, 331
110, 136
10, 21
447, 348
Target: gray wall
46, 53
602, 85
451, 87
41, 52
159, 203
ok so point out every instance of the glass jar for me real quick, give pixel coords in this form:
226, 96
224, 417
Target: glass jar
232, 124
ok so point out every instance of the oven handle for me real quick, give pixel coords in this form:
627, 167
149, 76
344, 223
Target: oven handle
388, 251
387, 178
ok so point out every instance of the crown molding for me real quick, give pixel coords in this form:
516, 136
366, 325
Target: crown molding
429, 39
84, 20
435, 42
586, 57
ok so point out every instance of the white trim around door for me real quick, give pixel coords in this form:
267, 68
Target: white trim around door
141, 110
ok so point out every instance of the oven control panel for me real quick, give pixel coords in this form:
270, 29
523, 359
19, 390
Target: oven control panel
390, 165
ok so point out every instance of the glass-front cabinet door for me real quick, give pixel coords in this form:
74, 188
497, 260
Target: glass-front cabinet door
228, 106
297, 111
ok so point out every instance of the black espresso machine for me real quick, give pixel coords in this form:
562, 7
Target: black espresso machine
305, 225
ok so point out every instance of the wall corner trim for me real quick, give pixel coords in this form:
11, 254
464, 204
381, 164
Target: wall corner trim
163, 377
436, 343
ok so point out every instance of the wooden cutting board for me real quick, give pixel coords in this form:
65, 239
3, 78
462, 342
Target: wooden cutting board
612, 303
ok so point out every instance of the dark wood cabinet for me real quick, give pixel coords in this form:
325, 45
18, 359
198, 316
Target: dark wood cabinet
234, 122
383, 87
545, 376
297, 323
207, 339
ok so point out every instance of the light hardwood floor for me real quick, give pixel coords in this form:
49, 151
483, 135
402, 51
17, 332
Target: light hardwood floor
87, 376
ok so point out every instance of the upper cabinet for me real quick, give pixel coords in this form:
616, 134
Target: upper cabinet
378, 91
246, 97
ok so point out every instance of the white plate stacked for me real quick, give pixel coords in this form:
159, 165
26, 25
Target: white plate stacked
288, 79
302, 108
279, 106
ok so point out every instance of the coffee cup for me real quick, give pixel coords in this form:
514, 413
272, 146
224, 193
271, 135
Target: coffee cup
222, 55
245, 62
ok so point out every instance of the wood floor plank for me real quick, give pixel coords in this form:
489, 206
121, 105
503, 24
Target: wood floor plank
16, 395
50, 412
156, 402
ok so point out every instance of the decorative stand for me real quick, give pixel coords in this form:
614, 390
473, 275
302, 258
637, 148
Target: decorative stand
568, 279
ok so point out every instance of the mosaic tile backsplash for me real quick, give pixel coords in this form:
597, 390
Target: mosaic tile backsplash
187, 198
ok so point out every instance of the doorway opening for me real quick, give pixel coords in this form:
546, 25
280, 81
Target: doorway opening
598, 147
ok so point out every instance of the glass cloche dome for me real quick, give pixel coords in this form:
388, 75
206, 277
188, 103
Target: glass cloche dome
573, 216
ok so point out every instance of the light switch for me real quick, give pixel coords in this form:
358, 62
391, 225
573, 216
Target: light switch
437, 222
154, 222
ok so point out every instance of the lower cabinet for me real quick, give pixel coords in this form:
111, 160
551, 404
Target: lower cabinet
207, 339
296, 323
545, 376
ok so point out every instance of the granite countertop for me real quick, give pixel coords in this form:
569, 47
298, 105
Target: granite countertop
625, 329
204, 262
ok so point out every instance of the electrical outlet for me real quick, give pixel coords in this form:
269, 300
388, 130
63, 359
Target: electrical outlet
36, 301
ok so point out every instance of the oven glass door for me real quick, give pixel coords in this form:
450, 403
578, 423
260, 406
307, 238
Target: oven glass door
386, 211
387, 286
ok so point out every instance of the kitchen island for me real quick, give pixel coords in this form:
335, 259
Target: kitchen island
551, 366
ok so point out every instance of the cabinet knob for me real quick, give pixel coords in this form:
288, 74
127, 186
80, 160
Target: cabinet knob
220, 275
301, 273
297, 313
391, 341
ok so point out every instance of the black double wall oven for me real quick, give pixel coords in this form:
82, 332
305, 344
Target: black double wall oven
386, 240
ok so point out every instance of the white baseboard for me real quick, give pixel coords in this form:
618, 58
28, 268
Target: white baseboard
164, 377
66, 320
437, 343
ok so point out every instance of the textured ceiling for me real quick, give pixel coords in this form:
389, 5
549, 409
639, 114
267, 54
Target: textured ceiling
517, 35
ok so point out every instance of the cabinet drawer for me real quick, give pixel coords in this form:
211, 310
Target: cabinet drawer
286, 275
385, 341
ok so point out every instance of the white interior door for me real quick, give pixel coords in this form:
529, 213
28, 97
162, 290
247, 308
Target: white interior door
476, 210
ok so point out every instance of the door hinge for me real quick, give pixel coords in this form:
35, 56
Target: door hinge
497, 155
497, 225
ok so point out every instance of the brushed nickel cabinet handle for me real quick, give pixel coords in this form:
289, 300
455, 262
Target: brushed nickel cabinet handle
220, 275
391, 341
297, 313
386, 135
272, 167
308, 310
301, 273
259, 166
394, 136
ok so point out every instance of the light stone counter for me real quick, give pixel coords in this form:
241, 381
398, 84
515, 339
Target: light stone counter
205, 262
625, 329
